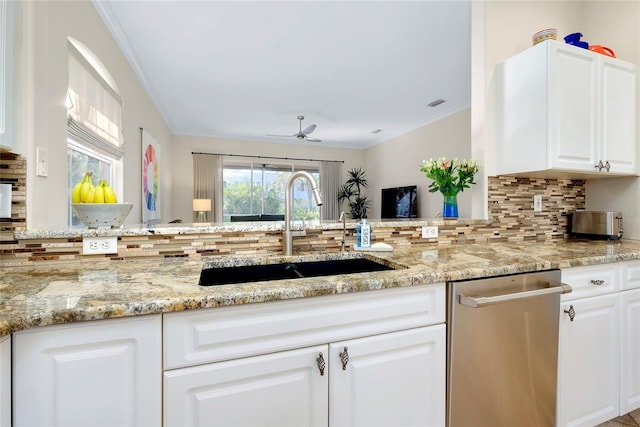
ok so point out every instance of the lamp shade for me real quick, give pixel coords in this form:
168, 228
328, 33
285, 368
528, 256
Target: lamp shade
202, 205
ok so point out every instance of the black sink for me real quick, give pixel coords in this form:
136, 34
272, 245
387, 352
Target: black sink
290, 270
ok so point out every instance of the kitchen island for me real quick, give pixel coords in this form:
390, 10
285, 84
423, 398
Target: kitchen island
61, 293
325, 343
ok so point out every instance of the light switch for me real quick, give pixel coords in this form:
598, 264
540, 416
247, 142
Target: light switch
42, 162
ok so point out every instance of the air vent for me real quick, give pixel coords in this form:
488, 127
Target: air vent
436, 103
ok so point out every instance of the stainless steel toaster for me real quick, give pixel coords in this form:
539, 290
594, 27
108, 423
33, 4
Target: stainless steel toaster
597, 224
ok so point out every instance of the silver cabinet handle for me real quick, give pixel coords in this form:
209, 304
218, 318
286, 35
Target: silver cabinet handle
597, 282
571, 312
321, 363
344, 357
477, 302
607, 166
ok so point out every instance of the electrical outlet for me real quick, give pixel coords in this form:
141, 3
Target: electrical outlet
99, 245
430, 232
537, 203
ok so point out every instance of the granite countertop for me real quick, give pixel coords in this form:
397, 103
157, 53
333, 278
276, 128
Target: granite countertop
172, 229
62, 293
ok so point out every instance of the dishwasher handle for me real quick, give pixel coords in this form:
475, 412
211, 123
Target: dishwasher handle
478, 302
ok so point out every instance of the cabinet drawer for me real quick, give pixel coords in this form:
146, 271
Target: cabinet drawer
591, 280
225, 333
630, 275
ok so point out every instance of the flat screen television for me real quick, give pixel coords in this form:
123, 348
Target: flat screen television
400, 202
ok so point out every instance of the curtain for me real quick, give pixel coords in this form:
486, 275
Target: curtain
330, 173
95, 110
207, 182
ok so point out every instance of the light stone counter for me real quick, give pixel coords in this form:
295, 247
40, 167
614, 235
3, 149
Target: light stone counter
230, 227
54, 294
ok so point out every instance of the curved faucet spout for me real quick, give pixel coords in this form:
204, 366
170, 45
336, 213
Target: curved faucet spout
287, 241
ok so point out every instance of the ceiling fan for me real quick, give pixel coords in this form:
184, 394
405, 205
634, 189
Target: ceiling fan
303, 134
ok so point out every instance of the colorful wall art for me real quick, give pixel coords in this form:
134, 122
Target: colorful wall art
150, 178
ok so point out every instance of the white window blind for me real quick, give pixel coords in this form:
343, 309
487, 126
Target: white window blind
95, 113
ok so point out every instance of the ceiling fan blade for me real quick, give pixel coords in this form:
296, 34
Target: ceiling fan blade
309, 129
312, 139
288, 136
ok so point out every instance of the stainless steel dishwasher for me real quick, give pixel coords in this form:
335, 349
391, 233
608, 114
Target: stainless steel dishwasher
503, 350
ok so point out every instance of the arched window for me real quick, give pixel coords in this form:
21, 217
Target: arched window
95, 143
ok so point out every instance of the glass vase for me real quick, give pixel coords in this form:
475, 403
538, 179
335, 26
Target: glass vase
450, 205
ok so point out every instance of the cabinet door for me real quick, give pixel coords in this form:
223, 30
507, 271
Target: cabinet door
391, 379
5, 382
618, 117
630, 351
278, 389
630, 275
572, 108
588, 361
100, 373
6, 75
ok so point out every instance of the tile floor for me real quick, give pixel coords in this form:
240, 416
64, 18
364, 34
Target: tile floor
631, 419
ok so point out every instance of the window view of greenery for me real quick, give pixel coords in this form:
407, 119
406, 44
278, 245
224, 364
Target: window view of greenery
260, 189
79, 163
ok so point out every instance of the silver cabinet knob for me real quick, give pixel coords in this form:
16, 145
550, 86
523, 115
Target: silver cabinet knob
321, 363
344, 357
571, 312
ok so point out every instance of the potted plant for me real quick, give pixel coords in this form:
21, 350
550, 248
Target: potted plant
449, 178
351, 191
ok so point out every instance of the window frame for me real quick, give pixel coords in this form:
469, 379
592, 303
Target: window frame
247, 164
81, 138
116, 166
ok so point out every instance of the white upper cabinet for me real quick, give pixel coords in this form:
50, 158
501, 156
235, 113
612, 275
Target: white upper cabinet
566, 111
6, 75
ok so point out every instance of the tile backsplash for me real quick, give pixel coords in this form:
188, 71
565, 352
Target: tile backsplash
511, 218
510, 205
13, 170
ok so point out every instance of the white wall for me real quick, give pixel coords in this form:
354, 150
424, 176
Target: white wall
42, 56
396, 162
182, 161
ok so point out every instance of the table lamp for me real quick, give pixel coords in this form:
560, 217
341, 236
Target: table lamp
202, 206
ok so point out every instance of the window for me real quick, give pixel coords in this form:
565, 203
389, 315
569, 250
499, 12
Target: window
95, 142
253, 189
81, 160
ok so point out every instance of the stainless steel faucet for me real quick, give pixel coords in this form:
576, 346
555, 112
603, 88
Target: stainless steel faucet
343, 218
287, 241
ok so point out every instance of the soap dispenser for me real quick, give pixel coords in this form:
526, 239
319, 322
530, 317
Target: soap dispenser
363, 234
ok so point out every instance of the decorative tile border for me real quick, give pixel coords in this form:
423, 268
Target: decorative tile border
511, 219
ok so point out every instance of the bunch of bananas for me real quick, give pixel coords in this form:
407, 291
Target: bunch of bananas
85, 192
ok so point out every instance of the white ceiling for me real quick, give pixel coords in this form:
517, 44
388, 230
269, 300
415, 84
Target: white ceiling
240, 69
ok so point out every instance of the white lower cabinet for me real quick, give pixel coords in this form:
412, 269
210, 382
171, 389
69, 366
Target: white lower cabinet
630, 350
278, 389
390, 379
599, 350
588, 354
99, 373
371, 358
395, 379
5, 381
